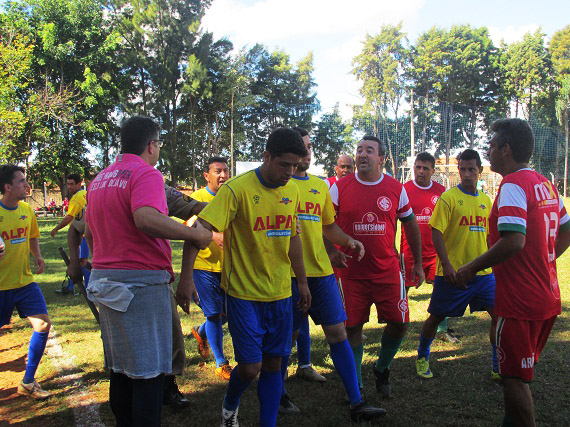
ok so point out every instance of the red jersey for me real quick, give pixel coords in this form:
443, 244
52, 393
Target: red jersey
422, 202
330, 181
527, 284
367, 211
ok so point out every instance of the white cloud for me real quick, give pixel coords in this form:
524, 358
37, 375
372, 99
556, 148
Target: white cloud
511, 33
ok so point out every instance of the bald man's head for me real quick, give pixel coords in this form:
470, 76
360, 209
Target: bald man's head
344, 166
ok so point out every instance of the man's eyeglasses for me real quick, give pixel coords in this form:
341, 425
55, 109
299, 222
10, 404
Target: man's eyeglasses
158, 142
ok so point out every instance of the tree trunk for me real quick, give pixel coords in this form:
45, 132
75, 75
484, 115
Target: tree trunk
448, 144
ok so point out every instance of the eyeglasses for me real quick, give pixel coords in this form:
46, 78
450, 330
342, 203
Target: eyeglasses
158, 142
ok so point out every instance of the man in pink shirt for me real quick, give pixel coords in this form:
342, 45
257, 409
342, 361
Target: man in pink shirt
128, 230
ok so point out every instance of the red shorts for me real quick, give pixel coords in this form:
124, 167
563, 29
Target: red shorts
428, 266
519, 343
390, 299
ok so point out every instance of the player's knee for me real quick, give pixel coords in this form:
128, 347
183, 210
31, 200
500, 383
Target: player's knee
41, 325
248, 371
335, 333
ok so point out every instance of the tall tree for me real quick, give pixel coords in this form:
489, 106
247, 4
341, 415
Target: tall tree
331, 138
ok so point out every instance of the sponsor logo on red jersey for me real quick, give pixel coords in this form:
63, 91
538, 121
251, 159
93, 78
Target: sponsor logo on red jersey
370, 225
424, 216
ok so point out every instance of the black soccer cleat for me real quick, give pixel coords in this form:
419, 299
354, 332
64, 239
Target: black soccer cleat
364, 412
383, 382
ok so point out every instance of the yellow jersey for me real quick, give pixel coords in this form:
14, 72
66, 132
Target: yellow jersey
209, 259
258, 221
315, 209
76, 209
17, 226
463, 219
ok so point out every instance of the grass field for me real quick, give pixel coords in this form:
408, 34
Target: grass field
460, 394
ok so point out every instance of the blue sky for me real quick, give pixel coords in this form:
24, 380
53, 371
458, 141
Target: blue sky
333, 29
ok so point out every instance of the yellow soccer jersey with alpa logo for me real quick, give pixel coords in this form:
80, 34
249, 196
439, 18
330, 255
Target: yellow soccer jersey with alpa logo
258, 223
315, 209
209, 259
17, 227
463, 219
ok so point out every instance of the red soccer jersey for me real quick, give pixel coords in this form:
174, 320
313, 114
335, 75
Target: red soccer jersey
527, 284
367, 211
330, 181
422, 202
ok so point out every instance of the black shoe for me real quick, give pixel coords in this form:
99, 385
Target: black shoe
383, 382
364, 412
287, 407
65, 291
172, 396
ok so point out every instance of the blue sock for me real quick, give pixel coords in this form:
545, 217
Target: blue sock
35, 353
424, 347
69, 284
343, 360
495, 360
284, 365
358, 352
304, 343
215, 335
86, 275
202, 331
269, 394
236, 387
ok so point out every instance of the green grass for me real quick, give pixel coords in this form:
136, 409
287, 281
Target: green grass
461, 392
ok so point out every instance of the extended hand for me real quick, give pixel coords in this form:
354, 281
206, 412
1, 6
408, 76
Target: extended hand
185, 293
53, 232
357, 246
338, 259
418, 275
39, 265
202, 236
464, 276
305, 297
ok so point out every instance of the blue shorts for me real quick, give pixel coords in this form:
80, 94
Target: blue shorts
28, 299
259, 328
212, 297
326, 303
450, 301
83, 249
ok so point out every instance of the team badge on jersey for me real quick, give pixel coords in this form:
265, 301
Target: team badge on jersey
314, 191
370, 225
256, 199
434, 199
285, 200
482, 206
23, 217
384, 203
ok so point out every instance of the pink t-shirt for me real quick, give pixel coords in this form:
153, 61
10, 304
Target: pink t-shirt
114, 195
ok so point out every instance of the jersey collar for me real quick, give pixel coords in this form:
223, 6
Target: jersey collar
423, 188
301, 178
263, 182
210, 191
9, 209
369, 183
476, 193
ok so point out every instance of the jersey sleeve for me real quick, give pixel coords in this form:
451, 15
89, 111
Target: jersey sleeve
328, 210
179, 205
441, 214
75, 206
564, 218
404, 211
333, 191
148, 190
221, 211
512, 208
34, 229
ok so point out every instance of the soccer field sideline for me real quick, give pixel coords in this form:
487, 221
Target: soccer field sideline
457, 368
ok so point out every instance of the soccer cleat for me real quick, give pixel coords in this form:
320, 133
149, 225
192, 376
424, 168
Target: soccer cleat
383, 382
422, 368
229, 418
448, 337
310, 374
224, 371
172, 396
287, 407
203, 348
33, 390
364, 412
495, 376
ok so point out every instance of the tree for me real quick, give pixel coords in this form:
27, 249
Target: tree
332, 137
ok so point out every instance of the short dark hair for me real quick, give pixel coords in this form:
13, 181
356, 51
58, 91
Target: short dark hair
7, 174
470, 154
301, 131
75, 177
214, 159
424, 156
285, 140
136, 133
381, 147
518, 134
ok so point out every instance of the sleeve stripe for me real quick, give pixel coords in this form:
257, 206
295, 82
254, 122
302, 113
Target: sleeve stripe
512, 195
514, 220
564, 225
407, 217
512, 227
406, 214
564, 220
334, 194
512, 211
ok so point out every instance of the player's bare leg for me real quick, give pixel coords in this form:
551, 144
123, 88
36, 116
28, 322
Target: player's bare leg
519, 406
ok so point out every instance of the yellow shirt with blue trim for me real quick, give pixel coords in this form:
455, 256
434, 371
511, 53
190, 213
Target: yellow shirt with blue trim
209, 259
258, 221
463, 219
17, 226
315, 209
77, 204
